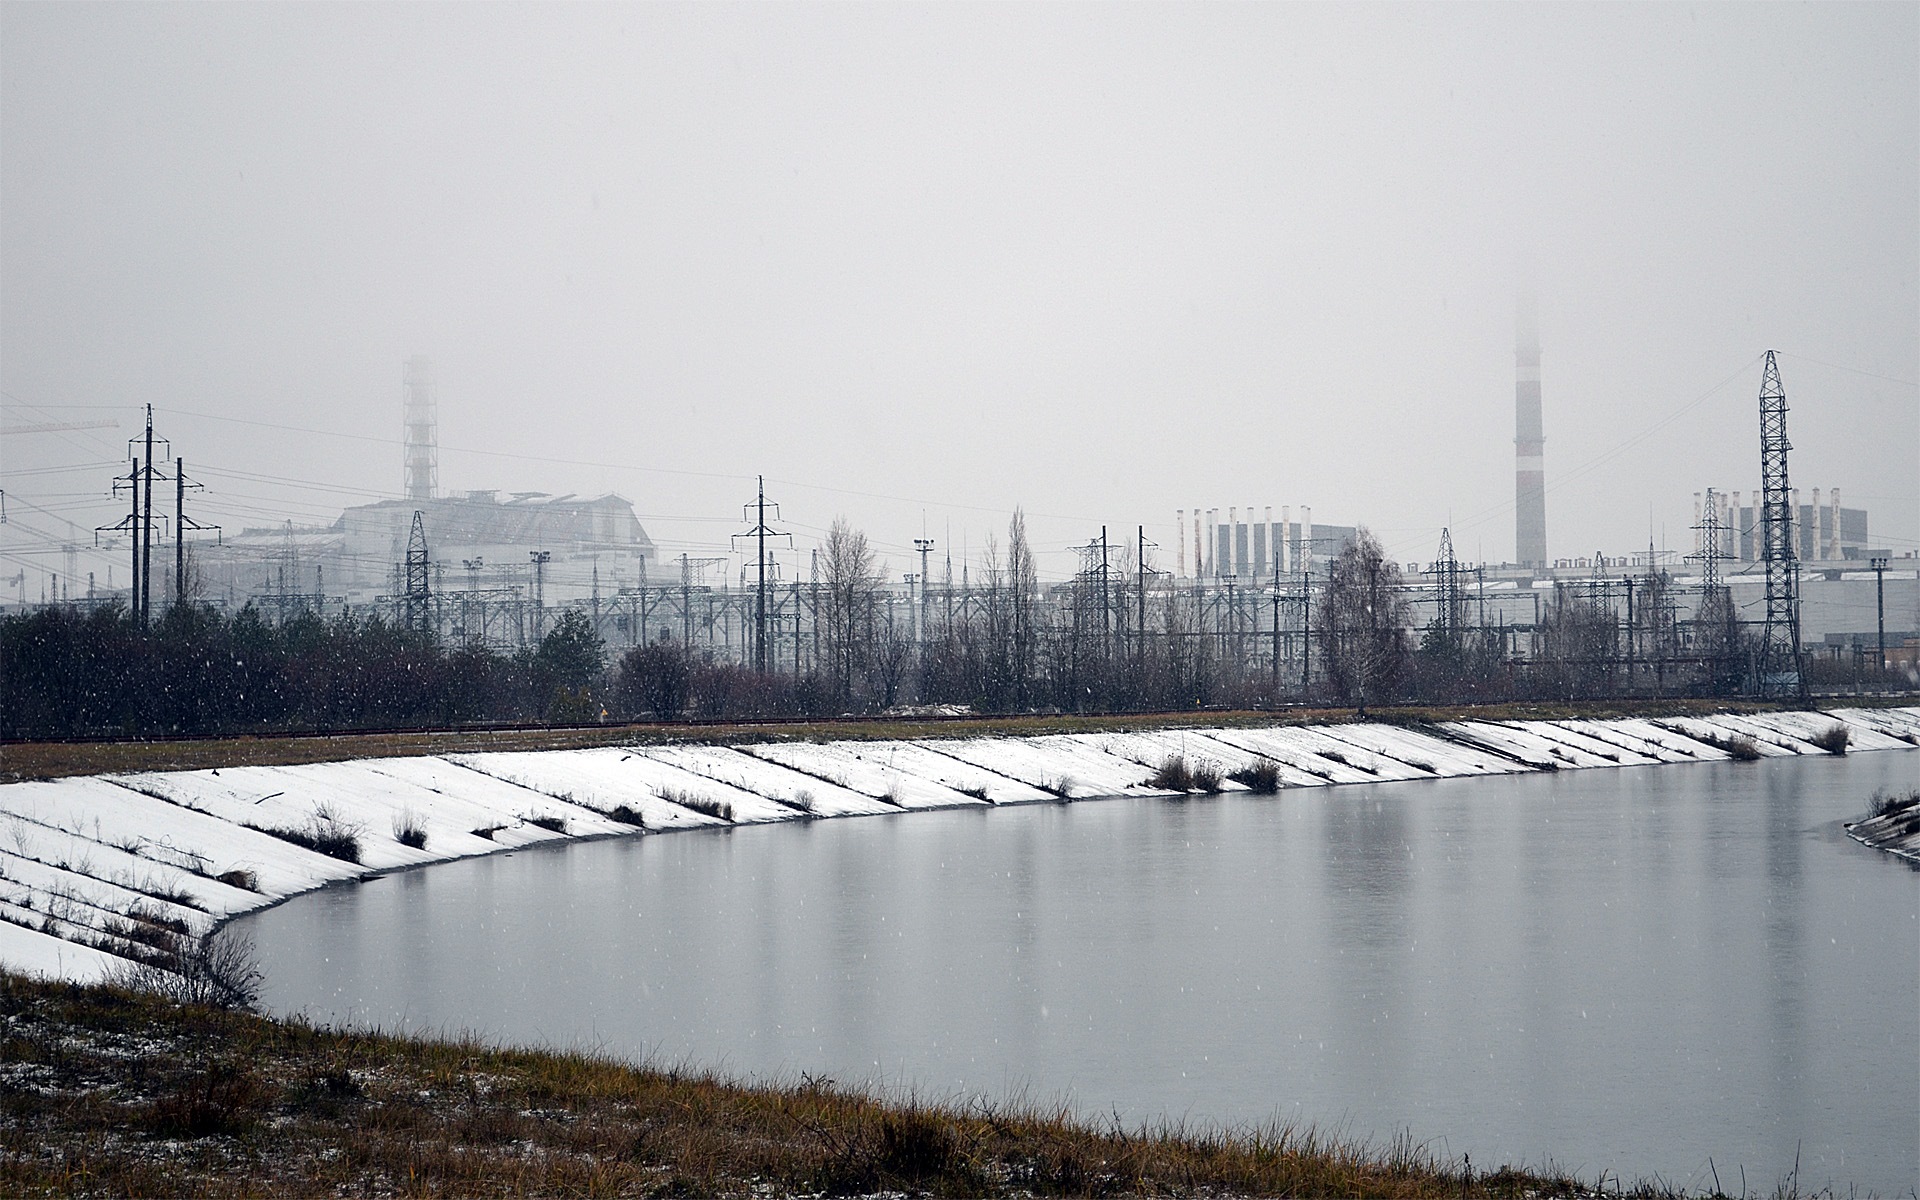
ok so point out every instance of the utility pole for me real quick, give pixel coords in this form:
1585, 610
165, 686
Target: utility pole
1879, 562
540, 560
1273, 685
1306, 631
181, 523
140, 520
130, 523
179, 531
146, 531
925, 546
1106, 602
1659, 605
1628, 580
762, 646
760, 563
1480, 595
1140, 591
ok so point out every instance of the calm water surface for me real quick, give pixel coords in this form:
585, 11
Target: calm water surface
1630, 971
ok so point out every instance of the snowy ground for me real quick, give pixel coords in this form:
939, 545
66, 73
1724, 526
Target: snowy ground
97, 869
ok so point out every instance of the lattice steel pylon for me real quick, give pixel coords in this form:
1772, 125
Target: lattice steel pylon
1779, 652
1713, 539
419, 598
1450, 615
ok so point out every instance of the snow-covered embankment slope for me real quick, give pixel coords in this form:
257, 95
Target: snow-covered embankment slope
100, 869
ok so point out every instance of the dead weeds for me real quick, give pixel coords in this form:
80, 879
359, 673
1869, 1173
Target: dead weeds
109, 1092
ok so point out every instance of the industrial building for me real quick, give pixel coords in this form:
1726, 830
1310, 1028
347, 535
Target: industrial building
1250, 550
1823, 531
528, 548
475, 541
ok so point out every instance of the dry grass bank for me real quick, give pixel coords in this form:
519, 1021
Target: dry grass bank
110, 1093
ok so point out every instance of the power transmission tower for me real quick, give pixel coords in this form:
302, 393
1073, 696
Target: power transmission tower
140, 521
1600, 604
1780, 639
1106, 599
1141, 571
1715, 608
1712, 537
181, 523
130, 523
762, 651
418, 593
1451, 614
146, 527
472, 566
688, 567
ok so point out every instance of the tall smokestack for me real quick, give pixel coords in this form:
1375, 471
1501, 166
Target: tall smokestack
423, 434
1529, 444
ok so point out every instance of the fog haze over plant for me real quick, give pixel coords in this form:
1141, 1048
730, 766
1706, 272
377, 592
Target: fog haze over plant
921, 264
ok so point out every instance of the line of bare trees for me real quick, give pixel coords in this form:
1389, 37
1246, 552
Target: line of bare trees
1117, 637
1111, 640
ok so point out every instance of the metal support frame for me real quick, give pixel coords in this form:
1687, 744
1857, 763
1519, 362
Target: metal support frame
1778, 660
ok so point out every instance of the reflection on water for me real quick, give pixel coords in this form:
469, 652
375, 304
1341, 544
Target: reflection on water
1626, 971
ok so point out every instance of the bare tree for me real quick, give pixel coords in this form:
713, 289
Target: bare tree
1363, 622
1576, 645
655, 678
891, 653
850, 573
1657, 632
1023, 603
1718, 643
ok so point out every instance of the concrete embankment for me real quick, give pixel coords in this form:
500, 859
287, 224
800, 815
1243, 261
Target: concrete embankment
95, 870
1893, 825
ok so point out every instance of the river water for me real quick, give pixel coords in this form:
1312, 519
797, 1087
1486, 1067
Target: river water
1651, 972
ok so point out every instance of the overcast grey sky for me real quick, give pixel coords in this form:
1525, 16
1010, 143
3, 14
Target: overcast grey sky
927, 262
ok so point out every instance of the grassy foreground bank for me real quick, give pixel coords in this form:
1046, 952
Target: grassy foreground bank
53, 760
108, 1092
